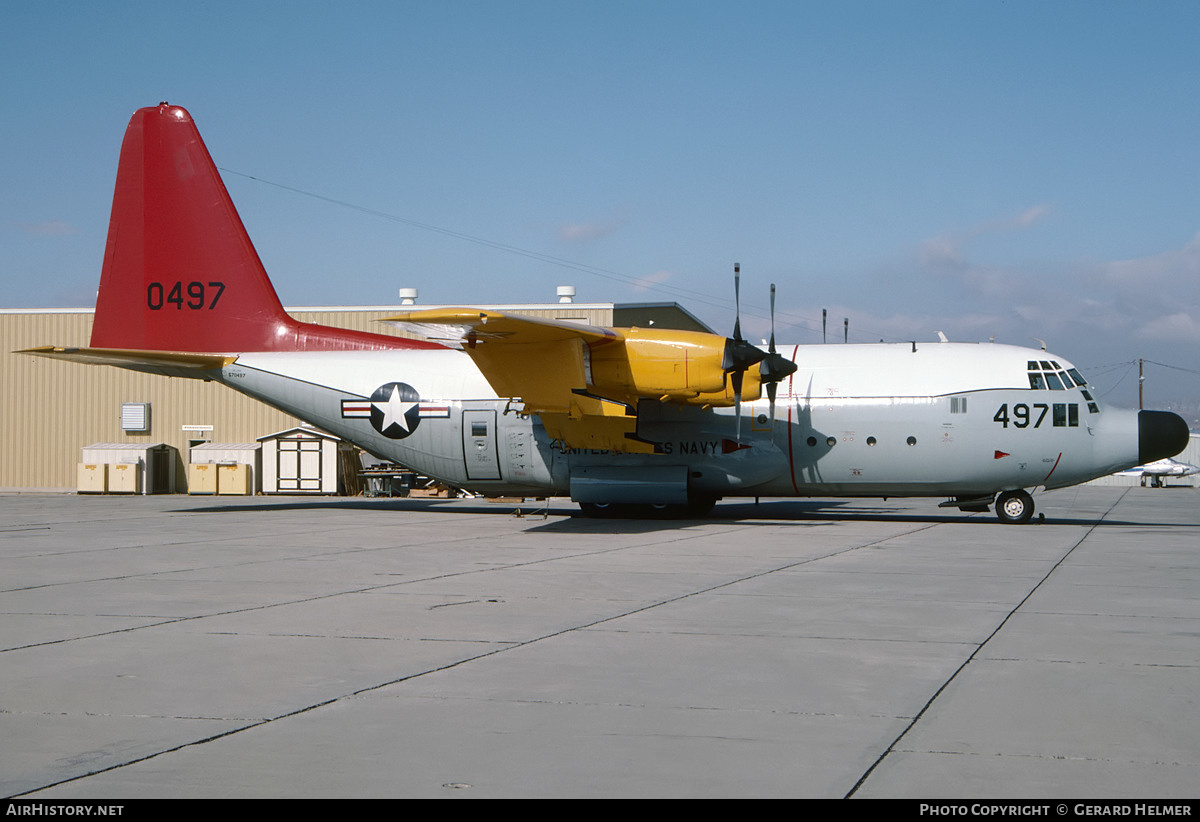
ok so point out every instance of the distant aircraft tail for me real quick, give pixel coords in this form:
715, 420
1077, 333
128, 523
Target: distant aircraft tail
180, 273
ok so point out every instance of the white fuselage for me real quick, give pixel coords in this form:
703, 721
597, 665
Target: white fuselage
926, 419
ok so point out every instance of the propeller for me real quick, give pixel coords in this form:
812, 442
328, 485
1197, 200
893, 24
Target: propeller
740, 355
774, 367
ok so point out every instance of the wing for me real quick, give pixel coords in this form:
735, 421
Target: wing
585, 382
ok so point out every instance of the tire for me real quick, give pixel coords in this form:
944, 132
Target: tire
601, 510
1015, 507
694, 509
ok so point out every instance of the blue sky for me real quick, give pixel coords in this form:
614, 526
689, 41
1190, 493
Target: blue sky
1016, 170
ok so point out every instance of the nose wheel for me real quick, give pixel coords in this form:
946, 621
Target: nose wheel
1014, 506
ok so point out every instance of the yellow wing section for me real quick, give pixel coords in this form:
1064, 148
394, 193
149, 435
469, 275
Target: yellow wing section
585, 381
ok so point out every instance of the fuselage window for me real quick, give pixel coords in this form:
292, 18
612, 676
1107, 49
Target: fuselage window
1066, 415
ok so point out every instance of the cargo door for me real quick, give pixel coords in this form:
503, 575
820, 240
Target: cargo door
479, 445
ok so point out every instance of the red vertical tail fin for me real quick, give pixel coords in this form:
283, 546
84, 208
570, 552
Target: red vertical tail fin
180, 272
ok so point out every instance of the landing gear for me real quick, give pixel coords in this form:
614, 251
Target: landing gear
694, 508
698, 507
1015, 507
601, 510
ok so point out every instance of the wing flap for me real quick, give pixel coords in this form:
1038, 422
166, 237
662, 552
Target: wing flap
543, 362
464, 327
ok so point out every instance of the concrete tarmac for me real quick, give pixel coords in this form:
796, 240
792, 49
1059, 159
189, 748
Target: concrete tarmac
178, 646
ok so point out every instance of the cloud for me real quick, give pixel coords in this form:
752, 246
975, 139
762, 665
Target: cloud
588, 231
650, 280
1181, 265
944, 252
1098, 304
49, 228
1029, 217
1179, 327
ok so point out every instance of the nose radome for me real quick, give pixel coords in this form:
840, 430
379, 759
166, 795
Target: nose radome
1161, 434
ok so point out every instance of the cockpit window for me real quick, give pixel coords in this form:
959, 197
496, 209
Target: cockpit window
1050, 375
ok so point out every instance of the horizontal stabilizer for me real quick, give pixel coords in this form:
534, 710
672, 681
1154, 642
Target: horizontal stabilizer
167, 363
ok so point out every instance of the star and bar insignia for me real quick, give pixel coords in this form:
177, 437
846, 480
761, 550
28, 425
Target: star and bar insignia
395, 409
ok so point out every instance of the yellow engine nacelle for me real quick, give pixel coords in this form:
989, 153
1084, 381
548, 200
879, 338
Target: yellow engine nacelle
674, 366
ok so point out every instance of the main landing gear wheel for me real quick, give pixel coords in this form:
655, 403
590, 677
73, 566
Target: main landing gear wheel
1014, 506
695, 508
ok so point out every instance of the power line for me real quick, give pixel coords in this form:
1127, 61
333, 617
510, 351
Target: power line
511, 249
1174, 367
786, 319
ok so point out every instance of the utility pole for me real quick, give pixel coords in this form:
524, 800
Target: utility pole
1141, 380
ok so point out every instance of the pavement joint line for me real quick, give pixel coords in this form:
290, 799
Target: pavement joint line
679, 536
924, 708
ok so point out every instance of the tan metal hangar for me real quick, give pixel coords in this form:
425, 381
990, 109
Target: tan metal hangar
52, 410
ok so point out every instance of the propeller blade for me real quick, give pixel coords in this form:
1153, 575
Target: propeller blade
737, 301
736, 377
739, 353
772, 346
774, 367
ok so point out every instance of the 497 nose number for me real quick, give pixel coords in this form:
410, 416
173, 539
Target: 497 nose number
1021, 415
194, 295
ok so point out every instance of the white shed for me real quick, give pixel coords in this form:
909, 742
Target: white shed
301, 461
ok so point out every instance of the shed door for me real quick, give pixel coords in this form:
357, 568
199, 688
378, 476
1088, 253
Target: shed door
299, 465
479, 445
